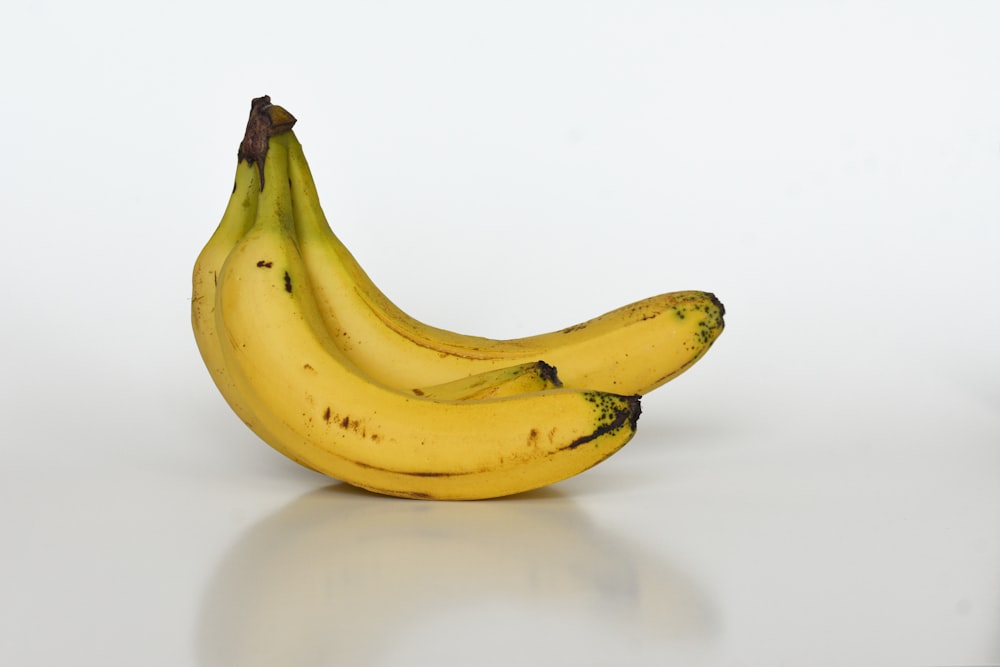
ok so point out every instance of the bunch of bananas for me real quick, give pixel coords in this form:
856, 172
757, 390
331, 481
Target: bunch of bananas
321, 365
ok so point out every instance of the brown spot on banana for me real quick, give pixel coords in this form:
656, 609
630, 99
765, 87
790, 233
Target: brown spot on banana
420, 473
575, 327
549, 373
611, 420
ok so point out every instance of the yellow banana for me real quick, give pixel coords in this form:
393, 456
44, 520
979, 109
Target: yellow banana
630, 350
508, 381
236, 220
312, 403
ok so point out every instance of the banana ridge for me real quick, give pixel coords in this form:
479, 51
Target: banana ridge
237, 219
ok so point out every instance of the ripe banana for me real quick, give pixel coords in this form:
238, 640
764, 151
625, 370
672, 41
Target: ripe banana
314, 404
237, 219
498, 383
630, 350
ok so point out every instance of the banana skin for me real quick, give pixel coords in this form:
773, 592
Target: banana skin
317, 407
327, 370
630, 350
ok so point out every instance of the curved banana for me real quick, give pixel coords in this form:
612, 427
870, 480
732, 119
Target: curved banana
236, 220
316, 406
630, 350
507, 381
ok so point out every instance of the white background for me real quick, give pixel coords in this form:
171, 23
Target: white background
823, 488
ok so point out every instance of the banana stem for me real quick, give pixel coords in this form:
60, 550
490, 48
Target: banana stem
266, 120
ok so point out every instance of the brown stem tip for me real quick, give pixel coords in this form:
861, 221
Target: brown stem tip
266, 120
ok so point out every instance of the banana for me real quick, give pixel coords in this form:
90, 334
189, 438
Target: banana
631, 350
314, 404
508, 381
237, 219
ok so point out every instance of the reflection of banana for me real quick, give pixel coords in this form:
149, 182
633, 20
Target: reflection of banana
337, 575
312, 404
631, 350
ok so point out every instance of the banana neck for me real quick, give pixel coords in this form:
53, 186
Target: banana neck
310, 222
265, 149
246, 191
274, 210
246, 185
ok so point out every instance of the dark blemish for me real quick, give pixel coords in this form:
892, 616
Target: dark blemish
575, 327
412, 495
345, 423
630, 414
549, 374
264, 264
718, 304
288, 283
416, 473
326, 415
418, 392
307, 367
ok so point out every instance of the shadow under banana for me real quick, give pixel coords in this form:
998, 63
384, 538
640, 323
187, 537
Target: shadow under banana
334, 576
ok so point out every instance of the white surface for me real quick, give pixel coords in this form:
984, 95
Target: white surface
823, 488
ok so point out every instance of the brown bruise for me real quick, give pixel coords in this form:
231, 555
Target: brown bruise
612, 418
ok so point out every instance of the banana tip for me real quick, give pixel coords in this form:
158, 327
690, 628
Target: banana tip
717, 303
635, 409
